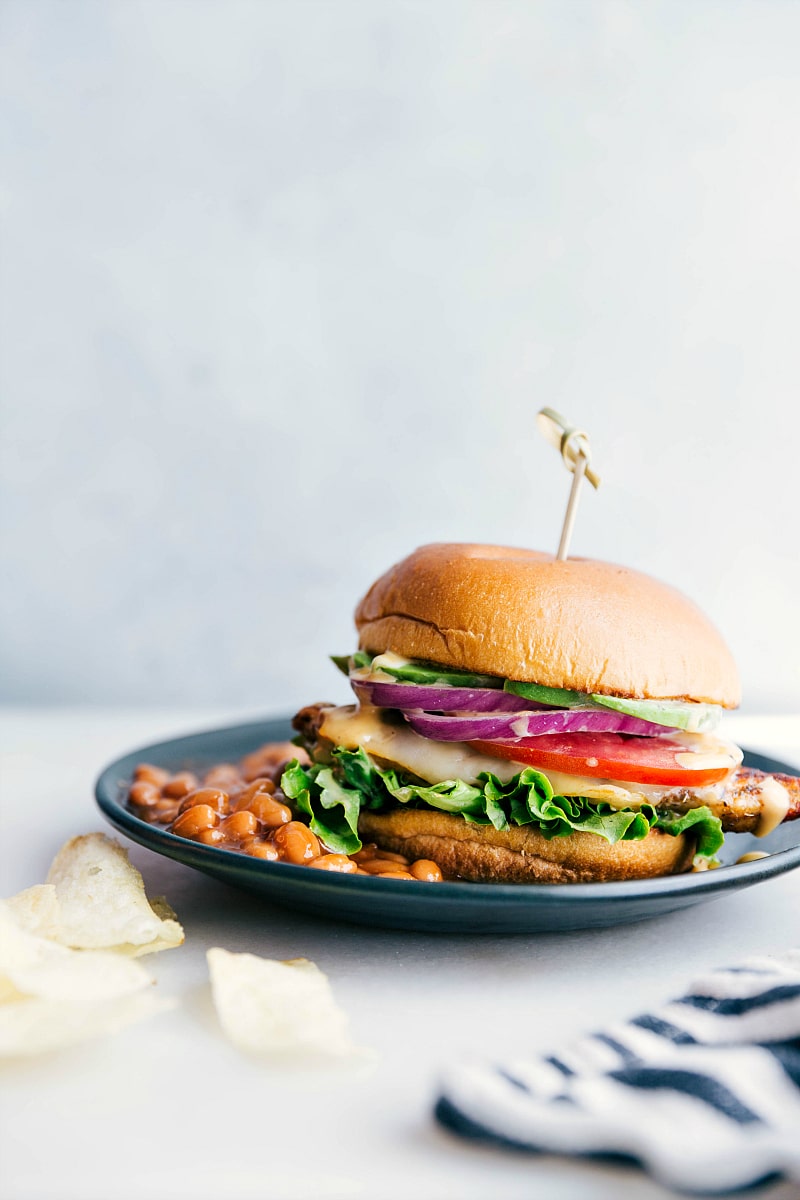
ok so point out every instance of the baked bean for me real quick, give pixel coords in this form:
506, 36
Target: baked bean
180, 785
396, 875
366, 852
191, 822
258, 787
221, 776
270, 812
380, 866
239, 825
388, 856
251, 767
270, 759
296, 843
144, 793
255, 766
427, 870
147, 773
258, 763
166, 810
209, 837
257, 848
334, 862
214, 797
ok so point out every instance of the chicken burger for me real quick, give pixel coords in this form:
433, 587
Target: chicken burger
519, 718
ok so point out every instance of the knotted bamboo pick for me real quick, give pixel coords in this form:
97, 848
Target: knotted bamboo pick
576, 452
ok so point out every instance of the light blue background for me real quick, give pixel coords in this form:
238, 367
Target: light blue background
283, 285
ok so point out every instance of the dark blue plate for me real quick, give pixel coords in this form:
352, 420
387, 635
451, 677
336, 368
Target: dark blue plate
439, 907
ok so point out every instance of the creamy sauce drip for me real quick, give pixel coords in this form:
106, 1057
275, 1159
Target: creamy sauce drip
775, 803
706, 752
374, 673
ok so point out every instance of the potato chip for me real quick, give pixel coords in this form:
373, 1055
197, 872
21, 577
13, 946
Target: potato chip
283, 1009
52, 996
35, 966
9, 993
102, 902
37, 910
66, 950
34, 1026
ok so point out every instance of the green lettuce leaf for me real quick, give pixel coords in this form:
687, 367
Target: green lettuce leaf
345, 662
707, 828
333, 796
333, 809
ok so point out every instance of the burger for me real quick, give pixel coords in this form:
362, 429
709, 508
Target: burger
520, 718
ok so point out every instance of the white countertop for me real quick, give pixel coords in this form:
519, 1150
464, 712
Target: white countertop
168, 1110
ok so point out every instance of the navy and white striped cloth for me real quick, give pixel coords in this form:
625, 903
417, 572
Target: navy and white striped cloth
703, 1093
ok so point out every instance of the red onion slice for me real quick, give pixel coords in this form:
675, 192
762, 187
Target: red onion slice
497, 727
431, 698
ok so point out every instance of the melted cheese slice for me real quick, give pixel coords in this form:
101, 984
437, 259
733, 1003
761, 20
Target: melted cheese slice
398, 745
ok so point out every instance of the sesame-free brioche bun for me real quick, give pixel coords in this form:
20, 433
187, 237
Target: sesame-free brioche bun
520, 614
521, 854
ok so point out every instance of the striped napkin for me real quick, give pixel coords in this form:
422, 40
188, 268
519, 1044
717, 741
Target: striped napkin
703, 1093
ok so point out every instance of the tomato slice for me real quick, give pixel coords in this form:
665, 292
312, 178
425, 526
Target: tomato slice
617, 756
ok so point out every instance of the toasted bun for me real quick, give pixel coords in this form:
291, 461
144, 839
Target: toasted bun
579, 624
483, 854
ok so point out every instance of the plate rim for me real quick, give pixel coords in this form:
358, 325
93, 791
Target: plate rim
197, 855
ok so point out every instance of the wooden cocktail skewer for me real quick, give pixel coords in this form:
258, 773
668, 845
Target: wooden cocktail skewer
576, 453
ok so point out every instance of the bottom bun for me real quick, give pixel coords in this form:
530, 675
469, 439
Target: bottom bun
483, 854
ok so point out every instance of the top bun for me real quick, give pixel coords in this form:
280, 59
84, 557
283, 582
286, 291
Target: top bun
580, 624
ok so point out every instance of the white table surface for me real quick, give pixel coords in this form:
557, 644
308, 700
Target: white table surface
168, 1109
